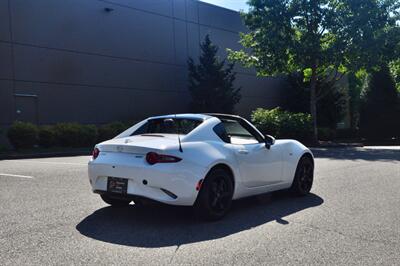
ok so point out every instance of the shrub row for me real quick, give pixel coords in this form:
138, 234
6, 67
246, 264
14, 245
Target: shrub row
275, 122
338, 134
26, 135
283, 124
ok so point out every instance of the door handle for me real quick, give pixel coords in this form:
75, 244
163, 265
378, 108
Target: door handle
243, 151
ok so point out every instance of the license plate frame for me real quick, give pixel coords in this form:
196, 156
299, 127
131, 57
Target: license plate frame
117, 185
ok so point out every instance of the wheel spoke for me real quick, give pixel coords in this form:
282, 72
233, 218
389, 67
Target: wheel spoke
225, 195
306, 177
220, 205
219, 194
214, 202
214, 188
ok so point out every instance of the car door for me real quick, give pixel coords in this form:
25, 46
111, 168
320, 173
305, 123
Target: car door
258, 165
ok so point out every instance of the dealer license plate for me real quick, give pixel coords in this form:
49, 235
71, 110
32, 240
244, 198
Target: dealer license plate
117, 185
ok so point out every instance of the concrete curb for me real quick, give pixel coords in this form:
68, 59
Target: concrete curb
44, 155
331, 144
339, 145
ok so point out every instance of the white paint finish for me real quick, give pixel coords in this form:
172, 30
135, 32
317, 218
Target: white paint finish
257, 171
13, 175
259, 166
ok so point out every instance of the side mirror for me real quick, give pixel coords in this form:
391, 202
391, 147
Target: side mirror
269, 141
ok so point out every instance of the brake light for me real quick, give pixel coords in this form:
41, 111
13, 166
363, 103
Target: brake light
153, 158
95, 153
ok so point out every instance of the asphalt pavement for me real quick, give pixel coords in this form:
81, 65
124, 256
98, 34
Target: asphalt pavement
48, 216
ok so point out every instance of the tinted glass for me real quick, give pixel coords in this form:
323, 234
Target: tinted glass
221, 132
168, 126
237, 133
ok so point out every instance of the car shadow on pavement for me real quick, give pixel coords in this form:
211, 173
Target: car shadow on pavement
367, 154
162, 226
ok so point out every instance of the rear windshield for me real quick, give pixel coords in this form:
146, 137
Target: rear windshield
168, 126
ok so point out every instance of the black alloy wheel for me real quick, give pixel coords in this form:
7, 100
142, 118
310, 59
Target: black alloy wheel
304, 177
215, 197
220, 194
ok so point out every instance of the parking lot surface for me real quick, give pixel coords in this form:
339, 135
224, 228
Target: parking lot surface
48, 216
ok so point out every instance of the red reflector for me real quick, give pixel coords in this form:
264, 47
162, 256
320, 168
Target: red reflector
95, 153
198, 186
153, 158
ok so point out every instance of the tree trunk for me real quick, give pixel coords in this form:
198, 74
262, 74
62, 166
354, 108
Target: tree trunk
313, 102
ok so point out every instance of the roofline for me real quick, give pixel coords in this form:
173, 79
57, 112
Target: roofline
203, 116
217, 115
182, 115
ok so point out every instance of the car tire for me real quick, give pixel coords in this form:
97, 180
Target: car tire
115, 202
215, 197
304, 177
139, 202
143, 202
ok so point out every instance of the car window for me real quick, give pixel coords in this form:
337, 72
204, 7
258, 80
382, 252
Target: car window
221, 132
168, 126
237, 134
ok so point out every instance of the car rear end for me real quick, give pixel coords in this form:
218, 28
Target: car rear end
145, 166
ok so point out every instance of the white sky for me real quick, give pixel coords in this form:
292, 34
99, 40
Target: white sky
231, 4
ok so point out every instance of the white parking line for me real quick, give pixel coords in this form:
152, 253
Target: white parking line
22, 176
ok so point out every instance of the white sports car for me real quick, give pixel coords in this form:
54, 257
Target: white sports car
200, 160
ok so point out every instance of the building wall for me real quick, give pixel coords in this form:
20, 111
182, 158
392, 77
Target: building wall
71, 60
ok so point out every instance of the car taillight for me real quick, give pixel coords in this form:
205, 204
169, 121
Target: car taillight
95, 153
153, 158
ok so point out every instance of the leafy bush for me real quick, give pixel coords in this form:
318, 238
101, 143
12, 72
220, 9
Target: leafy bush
3, 148
325, 133
89, 134
75, 135
23, 135
109, 131
26, 135
47, 136
347, 133
67, 134
283, 124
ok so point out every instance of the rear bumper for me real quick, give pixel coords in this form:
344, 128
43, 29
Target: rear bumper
173, 184
123, 197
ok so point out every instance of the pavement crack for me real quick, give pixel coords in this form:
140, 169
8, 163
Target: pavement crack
385, 242
175, 252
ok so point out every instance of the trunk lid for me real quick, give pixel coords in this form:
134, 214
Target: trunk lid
140, 144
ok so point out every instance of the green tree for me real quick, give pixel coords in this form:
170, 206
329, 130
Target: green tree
395, 70
357, 82
380, 112
211, 83
331, 108
320, 38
